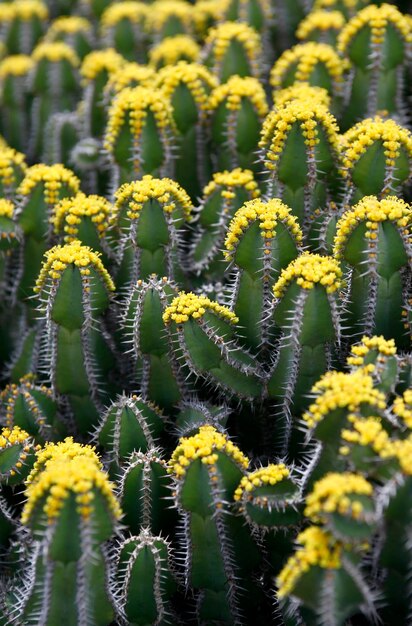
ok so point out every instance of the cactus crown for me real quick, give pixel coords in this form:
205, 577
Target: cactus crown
402, 407
321, 21
163, 10
54, 52
6, 209
16, 65
403, 453
190, 305
165, 190
237, 88
196, 77
10, 436
68, 214
204, 445
339, 390
70, 24
319, 548
138, 100
385, 347
301, 91
25, 10
63, 477
269, 475
393, 137
129, 75
376, 19
372, 211
133, 11
60, 257
9, 160
309, 116
367, 432
309, 270
100, 61
221, 36
305, 56
171, 50
52, 176
230, 180
268, 214
332, 494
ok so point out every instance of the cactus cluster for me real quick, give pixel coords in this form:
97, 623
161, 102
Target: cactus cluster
205, 313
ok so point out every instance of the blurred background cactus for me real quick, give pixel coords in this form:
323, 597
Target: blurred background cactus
205, 313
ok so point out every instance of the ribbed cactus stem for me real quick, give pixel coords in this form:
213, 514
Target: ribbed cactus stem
123, 28
14, 98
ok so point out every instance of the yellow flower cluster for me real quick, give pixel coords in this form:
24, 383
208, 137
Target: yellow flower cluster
220, 37
129, 75
384, 347
25, 10
205, 13
226, 182
376, 20
55, 52
402, 407
337, 390
6, 209
403, 452
134, 12
11, 394
164, 190
310, 117
135, 103
269, 475
301, 91
320, 21
13, 436
197, 78
309, 270
63, 476
189, 305
68, 214
59, 257
319, 549
306, 57
269, 214
332, 4
364, 134
335, 493
235, 90
100, 61
68, 25
205, 445
11, 163
171, 50
16, 65
53, 177
367, 432
372, 212
162, 11
67, 449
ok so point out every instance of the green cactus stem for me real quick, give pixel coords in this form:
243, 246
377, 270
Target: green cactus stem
373, 239
145, 581
15, 99
73, 290
123, 28
300, 150
222, 197
144, 493
203, 333
17, 455
156, 371
377, 157
22, 24
13, 169
262, 239
75, 31
233, 48
306, 312
150, 214
187, 87
321, 27
377, 42
169, 18
140, 133
237, 109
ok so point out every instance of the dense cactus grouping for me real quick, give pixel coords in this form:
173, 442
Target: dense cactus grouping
205, 313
